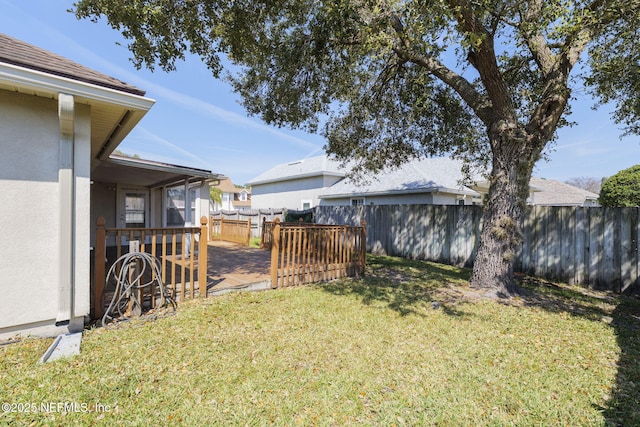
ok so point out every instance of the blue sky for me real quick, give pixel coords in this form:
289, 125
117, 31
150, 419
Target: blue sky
197, 120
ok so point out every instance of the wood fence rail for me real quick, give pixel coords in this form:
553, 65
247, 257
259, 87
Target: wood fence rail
257, 216
230, 230
266, 237
588, 246
182, 252
308, 253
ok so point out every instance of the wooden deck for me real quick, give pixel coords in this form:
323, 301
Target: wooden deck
236, 267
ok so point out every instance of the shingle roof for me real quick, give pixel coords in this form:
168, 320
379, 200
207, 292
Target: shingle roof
19, 53
227, 186
312, 166
559, 193
421, 175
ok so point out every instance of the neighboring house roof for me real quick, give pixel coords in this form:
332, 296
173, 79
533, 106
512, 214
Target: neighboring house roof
227, 186
116, 107
557, 193
312, 166
17, 52
148, 173
417, 176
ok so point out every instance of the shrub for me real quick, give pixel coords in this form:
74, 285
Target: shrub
622, 189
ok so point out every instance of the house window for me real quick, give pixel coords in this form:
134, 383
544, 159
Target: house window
306, 204
357, 202
134, 210
176, 215
243, 196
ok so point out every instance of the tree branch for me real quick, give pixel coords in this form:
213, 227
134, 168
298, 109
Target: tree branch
556, 93
480, 104
482, 56
536, 42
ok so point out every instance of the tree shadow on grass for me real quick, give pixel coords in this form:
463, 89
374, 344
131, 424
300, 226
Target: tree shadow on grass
412, 287
406, 286
622, 408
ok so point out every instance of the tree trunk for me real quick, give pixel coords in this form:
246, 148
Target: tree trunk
502, 223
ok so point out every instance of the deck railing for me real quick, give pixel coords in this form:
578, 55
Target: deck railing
230, 230
266, 237
181, 251
308, 253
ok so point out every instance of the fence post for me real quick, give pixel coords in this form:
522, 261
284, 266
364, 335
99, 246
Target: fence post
363, 246
100, 256
248, 231
264, 220
275, 252
203, 258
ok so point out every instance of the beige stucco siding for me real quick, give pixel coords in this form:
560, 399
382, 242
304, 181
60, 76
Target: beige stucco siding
30, 215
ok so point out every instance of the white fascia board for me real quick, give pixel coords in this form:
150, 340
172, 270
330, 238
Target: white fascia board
33, 80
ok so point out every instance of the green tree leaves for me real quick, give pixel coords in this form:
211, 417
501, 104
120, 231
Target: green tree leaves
389, 80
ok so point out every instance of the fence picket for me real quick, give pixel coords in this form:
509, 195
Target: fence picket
595, 247
112, 242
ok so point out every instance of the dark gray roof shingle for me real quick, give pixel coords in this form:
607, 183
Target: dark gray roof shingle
21, 54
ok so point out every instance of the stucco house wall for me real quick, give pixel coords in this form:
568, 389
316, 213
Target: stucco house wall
59, 120
104, 202
291, 194
31, 221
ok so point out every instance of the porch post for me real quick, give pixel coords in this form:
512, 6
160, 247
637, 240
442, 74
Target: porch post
100, 255
203, 257
363, 246
188, 221
275, 252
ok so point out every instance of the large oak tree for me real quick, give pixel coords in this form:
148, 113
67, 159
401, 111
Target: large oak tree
388, 80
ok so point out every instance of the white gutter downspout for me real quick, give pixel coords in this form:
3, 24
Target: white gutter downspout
67, 217
187, 204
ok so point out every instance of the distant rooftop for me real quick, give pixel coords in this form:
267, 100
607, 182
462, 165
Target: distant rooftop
441, 174
557, 193
312, 166
21, 54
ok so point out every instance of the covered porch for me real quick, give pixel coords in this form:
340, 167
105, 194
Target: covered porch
185, 264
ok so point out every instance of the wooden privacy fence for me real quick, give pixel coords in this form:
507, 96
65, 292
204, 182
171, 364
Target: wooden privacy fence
230, 230
307, 253
594, 247
257, 216
182, 253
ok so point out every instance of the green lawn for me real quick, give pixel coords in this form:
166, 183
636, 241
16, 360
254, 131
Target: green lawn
409, 344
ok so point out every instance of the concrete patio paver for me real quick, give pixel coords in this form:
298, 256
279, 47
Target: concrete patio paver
236, 267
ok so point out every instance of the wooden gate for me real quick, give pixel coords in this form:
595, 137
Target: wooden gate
307, 253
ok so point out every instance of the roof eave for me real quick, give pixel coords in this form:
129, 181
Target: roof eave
164, 167
41, 82
293, 177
